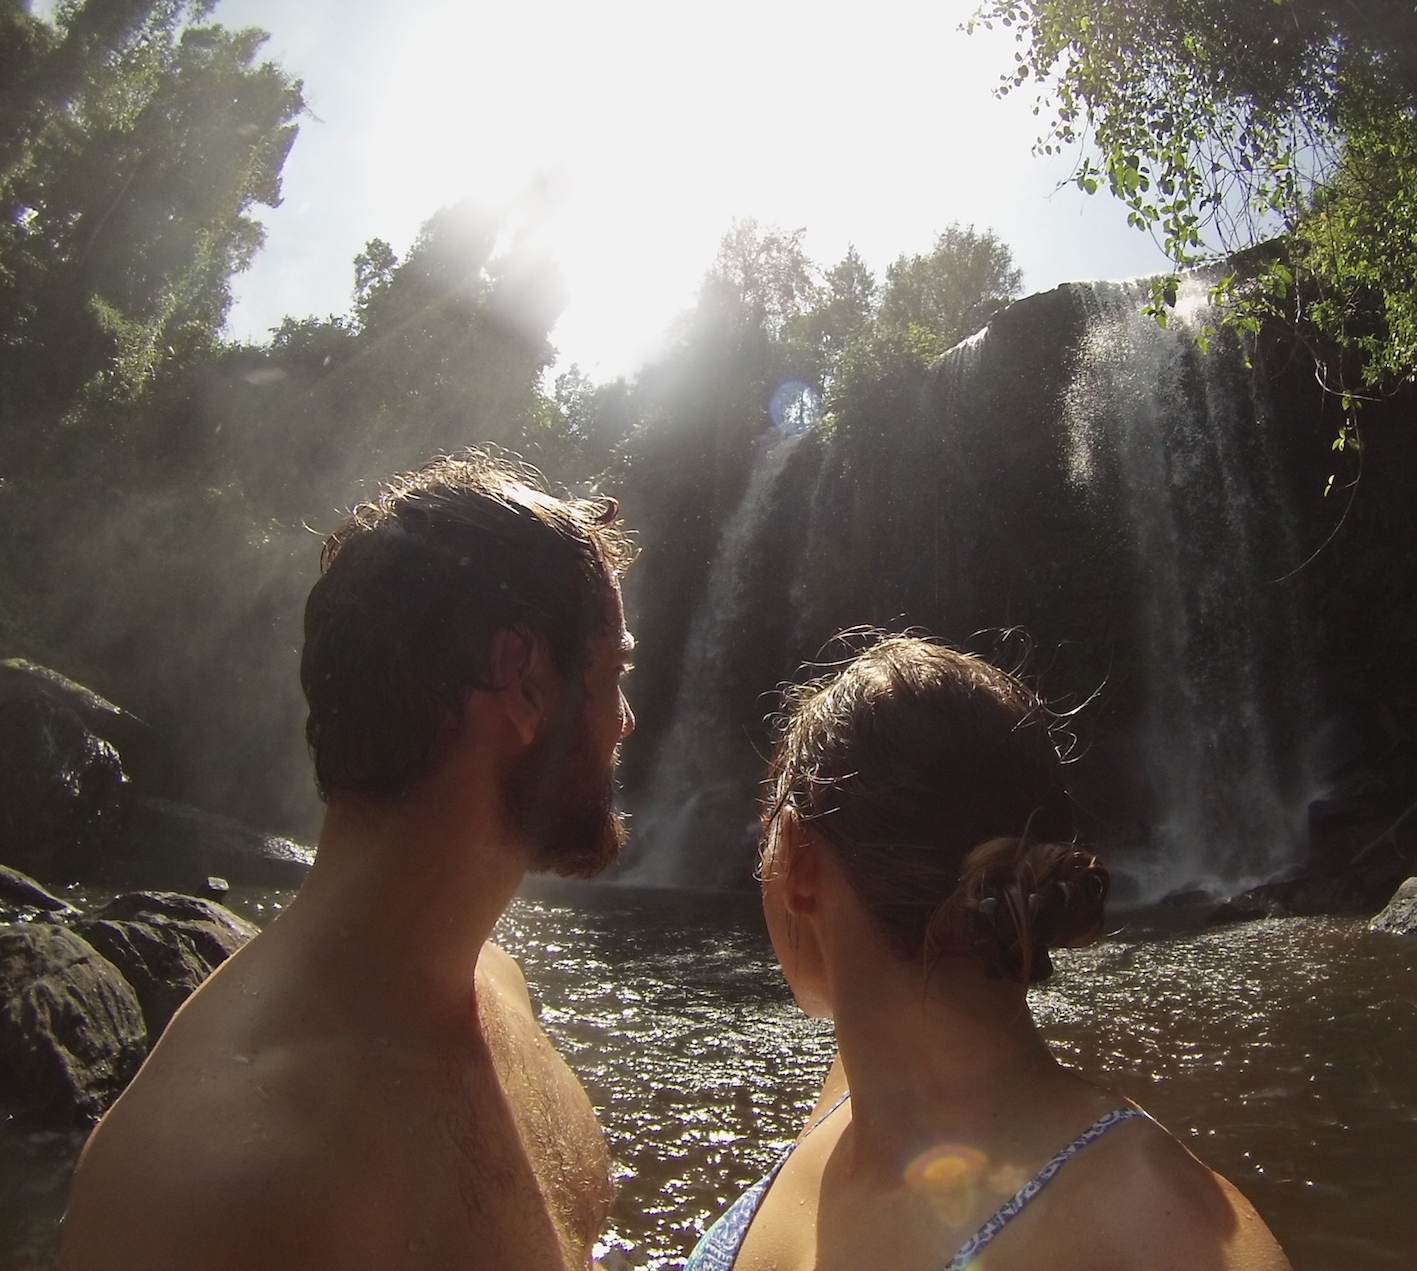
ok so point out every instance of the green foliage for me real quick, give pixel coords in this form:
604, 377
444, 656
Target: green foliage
1220, 123
929, 303
132, 150
442, 349
844, 309
954, 290
763, 276
1358, 246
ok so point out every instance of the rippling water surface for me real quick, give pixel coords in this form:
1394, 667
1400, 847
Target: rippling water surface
1284, 1053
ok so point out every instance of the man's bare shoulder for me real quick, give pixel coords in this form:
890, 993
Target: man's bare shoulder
278, 1158
251, 1138
497, 968
553, 1112
1137, 1200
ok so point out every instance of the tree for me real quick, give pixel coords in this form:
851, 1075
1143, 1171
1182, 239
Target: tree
138, 145
1221, 123
45, 67
442, 349
764, 274
955, 289
846, 306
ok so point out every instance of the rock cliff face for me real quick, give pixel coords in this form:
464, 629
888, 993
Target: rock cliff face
1145, 511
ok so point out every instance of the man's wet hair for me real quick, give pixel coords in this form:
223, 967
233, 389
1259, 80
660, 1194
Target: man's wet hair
414, 585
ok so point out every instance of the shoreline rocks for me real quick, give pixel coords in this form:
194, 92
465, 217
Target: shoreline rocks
24, 900
1399, 917
62, 790
164, 945
71, 1029
69, 813
83, 996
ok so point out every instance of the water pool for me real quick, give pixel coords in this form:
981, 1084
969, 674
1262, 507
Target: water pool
1284, 1053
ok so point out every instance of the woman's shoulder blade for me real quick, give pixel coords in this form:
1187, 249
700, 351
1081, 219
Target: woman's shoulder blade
1138, 1200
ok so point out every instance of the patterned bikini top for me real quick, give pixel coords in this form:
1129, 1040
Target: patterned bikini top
718, 1249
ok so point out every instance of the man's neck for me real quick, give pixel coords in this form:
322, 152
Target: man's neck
404, 893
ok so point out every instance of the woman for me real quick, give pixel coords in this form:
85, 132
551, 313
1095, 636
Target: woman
918, 865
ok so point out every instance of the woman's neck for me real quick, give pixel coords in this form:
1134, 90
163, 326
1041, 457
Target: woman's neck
957, 1063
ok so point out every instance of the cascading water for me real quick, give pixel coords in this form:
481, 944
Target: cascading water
1078, 472
1185, 431
696, 764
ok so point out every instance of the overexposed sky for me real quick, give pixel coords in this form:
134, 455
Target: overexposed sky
639, 129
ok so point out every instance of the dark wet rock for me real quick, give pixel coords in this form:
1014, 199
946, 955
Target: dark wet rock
1400, 916
1369, 848
1268, 900
1307, 895
22, 899
63, 792
165, 945
141, 906
214, 889
171, 845
71, 1029
1187, 898
19, 677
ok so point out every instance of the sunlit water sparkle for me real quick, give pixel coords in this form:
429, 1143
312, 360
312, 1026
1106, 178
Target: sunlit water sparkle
1284, 1053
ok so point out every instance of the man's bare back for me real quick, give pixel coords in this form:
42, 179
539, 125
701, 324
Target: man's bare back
275, 1128
364, 1085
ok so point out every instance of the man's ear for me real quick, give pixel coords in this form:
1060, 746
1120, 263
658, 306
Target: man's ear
798, 858
524, 681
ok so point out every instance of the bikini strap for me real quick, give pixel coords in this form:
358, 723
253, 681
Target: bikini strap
717, 1249
1010, 1208
822, 1118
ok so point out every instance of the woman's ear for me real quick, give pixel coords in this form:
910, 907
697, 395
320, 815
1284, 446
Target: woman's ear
798, 861
524, 680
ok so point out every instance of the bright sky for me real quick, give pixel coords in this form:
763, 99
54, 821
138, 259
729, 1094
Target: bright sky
647, 126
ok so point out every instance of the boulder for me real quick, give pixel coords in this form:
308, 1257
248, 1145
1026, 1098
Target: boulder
63, 791
19, 677
171, 845
23, 900
1400, 916
1358, 890
165, 945
71, 1030
214, 888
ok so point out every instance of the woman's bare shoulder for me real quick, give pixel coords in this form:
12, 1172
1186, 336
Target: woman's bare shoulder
1150, 1205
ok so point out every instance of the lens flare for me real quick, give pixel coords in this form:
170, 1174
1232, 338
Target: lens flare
946, 1168
949, 1177
794, 406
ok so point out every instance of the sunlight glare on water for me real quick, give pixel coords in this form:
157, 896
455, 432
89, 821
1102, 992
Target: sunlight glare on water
1283, 1053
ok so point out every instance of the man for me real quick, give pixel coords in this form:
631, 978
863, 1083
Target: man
364, 1085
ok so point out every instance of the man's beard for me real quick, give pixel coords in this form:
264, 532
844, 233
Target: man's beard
561, 796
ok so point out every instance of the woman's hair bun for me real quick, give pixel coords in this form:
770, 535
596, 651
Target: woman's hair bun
1018, 898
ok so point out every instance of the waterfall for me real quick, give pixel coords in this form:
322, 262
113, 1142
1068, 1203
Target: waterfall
700, 768
1109, 487
1185, 431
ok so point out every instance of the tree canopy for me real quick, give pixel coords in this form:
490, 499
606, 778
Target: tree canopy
1223, 123
953, 290
133, 146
